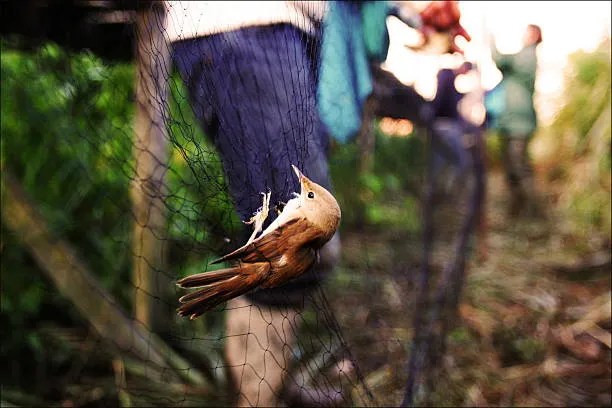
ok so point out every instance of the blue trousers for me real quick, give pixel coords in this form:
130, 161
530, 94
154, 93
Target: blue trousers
448, 144
253, 92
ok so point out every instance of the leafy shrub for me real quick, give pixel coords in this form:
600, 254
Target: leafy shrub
67, 138
581, 136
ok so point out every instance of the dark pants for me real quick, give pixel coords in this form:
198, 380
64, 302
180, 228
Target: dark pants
447, 141
253, 92
519, 175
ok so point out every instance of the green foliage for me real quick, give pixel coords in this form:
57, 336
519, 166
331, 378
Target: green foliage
398, 169
66, 127
493, 149
516, 348
460, 335
199, 206
588, 85
400, 156
530, 349
67, 139
581, 136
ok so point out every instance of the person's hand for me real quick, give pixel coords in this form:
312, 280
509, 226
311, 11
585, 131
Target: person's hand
444, 16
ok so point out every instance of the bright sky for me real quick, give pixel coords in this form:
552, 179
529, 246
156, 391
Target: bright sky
566, 28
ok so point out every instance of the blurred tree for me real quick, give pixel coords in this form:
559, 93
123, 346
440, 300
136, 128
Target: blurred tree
580, 137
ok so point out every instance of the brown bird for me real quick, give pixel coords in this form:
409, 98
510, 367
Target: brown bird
285, 250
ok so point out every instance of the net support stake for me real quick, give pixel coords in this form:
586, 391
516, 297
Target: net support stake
152, 306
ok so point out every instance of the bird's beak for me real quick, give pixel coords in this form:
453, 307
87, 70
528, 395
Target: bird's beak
299, 174
301, 177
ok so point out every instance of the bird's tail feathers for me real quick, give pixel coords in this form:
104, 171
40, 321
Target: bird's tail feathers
207, 278
217, 287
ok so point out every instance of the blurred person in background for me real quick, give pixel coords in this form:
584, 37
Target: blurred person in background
251, 70
517, 121
447, 124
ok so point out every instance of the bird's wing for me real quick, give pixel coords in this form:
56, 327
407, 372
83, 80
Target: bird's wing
289, 235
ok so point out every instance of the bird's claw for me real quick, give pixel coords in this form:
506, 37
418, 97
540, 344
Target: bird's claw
259, 217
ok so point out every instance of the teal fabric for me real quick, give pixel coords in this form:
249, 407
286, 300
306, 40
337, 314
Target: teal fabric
518, 118
495, 104
354, 33
375, 34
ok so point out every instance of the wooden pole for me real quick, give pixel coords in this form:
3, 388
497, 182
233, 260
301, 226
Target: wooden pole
72, 278
152, 306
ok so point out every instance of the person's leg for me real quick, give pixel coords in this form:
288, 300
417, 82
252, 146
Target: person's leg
512, 150
258, 349
448, 144
527, 181
447, 138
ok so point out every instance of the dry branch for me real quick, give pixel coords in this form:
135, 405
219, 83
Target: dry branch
72, 278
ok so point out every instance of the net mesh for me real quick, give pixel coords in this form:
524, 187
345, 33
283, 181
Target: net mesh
123, 191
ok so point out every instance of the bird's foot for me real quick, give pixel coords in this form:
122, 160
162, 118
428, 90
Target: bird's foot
259, 217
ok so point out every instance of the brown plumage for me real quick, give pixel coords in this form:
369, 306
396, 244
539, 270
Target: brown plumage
284, 250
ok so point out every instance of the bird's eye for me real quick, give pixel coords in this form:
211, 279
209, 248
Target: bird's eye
310, 195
